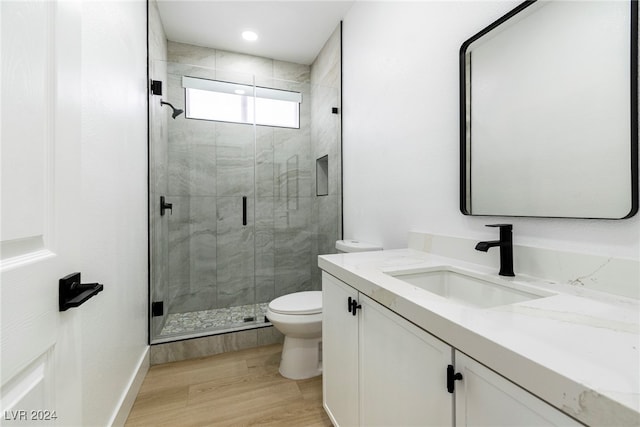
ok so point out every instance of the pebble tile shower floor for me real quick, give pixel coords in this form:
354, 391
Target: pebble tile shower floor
220, 318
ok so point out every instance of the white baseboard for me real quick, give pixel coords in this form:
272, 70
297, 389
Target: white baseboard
129, 396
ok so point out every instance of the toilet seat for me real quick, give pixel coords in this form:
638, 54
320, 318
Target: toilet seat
308, 302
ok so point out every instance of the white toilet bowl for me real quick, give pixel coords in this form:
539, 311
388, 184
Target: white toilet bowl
299, 317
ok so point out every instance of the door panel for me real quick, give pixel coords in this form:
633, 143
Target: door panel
40, 155
27, 115
339, 352
484, 398
402, 371
32, 388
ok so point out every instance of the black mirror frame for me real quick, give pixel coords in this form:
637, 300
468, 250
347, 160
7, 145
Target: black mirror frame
633, 110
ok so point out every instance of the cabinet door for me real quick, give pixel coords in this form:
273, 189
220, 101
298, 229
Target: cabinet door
402, 371
484, 398
339, 352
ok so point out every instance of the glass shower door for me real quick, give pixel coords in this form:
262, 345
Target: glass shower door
203, 249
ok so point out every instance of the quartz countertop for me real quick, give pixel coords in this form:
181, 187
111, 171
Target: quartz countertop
578, 349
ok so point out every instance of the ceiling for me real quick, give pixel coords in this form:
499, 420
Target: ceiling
292, 31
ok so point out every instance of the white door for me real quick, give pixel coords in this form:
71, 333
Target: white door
40, 156
402, 371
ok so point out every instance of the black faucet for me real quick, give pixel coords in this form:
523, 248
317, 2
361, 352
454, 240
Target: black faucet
506, 248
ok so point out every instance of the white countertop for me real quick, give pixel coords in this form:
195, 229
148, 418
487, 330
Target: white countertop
578, 350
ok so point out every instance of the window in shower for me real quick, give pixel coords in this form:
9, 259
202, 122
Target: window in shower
237, 103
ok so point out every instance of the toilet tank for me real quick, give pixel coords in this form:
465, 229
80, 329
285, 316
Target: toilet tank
344, 246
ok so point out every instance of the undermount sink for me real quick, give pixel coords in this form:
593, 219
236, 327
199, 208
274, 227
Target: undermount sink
468, 289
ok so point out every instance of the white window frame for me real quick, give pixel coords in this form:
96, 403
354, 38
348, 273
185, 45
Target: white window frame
251, 103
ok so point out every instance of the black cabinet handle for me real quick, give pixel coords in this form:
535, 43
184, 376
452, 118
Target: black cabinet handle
452, 376
353, 306
244, 210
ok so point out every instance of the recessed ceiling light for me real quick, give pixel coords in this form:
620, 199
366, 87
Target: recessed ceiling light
249, 36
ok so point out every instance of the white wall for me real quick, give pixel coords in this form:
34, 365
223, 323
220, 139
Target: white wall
114, 202
401, 133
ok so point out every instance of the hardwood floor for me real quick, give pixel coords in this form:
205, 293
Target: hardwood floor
241, 388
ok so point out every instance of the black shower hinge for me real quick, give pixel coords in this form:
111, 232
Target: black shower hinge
334, 110
156, 87
157, 308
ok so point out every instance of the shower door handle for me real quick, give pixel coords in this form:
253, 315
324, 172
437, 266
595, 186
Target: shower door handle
244, 210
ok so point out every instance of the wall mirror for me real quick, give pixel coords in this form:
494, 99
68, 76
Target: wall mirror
548, 114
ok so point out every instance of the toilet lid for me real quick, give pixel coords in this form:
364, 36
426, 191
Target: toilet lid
309, 302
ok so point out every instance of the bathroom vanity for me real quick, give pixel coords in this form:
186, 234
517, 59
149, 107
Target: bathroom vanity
417, 338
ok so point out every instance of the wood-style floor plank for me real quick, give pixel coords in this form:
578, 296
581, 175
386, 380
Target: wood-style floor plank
241, 388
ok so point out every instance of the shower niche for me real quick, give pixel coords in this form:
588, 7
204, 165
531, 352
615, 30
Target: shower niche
244, 224
322, 176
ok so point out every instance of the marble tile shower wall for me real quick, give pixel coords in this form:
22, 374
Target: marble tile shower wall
212, 260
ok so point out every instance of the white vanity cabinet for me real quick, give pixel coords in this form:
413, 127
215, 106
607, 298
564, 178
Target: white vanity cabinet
484, 398
379, 369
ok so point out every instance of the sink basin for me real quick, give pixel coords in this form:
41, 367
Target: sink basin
469, 289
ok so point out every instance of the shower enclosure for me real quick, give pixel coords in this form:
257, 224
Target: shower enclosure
244, 193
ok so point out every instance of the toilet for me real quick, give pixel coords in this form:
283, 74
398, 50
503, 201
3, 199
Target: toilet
347, 246
298, 316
